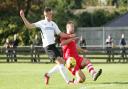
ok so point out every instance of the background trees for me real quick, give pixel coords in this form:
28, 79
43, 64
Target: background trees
11, 23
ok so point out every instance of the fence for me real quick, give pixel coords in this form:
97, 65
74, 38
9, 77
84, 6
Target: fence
95, 39
96, 36
23, 54
37, 55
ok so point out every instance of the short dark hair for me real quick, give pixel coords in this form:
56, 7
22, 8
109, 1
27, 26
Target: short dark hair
47, 9
70, 22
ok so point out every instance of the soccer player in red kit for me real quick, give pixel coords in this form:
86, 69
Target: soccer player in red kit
69, 48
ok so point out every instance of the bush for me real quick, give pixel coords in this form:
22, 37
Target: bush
97, 18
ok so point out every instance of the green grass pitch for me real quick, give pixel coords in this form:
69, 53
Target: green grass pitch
30, 76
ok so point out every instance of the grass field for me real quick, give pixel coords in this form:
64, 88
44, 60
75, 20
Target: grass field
30, 76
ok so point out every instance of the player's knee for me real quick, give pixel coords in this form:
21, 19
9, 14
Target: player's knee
60, 60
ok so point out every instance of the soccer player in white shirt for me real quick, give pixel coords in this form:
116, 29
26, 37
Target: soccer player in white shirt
49, 29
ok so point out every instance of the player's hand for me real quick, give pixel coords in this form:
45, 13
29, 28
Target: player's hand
72, 35
75, 38
21, 13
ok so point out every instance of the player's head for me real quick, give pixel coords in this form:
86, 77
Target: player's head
122, 35
7, 40
48, 13
70, 27
109, 37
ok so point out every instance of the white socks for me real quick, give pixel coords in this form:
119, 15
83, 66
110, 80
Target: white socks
53, 70
63, 72
61, 68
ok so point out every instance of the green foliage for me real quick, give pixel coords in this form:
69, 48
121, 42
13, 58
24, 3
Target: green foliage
85, 19
62, 13
98, 17
25, 36
11, 22
123, 2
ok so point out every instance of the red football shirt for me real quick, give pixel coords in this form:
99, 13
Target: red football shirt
70, 50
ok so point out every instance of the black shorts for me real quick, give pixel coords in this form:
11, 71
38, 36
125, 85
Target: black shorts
52, 51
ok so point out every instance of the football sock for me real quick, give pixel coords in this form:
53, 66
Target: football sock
77, 79
63, 72
90, 68
53, 70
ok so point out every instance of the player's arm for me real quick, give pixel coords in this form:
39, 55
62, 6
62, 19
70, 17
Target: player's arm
26, 22
64, 42
81, 50
64, 35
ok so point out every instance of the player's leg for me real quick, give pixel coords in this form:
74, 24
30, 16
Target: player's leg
60, 61
55, 54
95, 74
80, 77
58, 68
48, 75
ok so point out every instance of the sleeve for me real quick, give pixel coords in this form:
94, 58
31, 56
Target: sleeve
57, 30
37, 24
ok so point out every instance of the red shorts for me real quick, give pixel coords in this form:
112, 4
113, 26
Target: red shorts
78, 65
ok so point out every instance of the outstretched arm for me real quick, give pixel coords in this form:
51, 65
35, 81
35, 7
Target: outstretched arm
64, 42
64, 35
26, 22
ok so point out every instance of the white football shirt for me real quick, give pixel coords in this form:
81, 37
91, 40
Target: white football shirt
49, 29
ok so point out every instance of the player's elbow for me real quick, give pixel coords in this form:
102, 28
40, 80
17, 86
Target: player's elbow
63, 35
30, 26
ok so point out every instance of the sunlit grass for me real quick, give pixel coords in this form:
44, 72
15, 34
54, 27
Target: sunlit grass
30, 76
